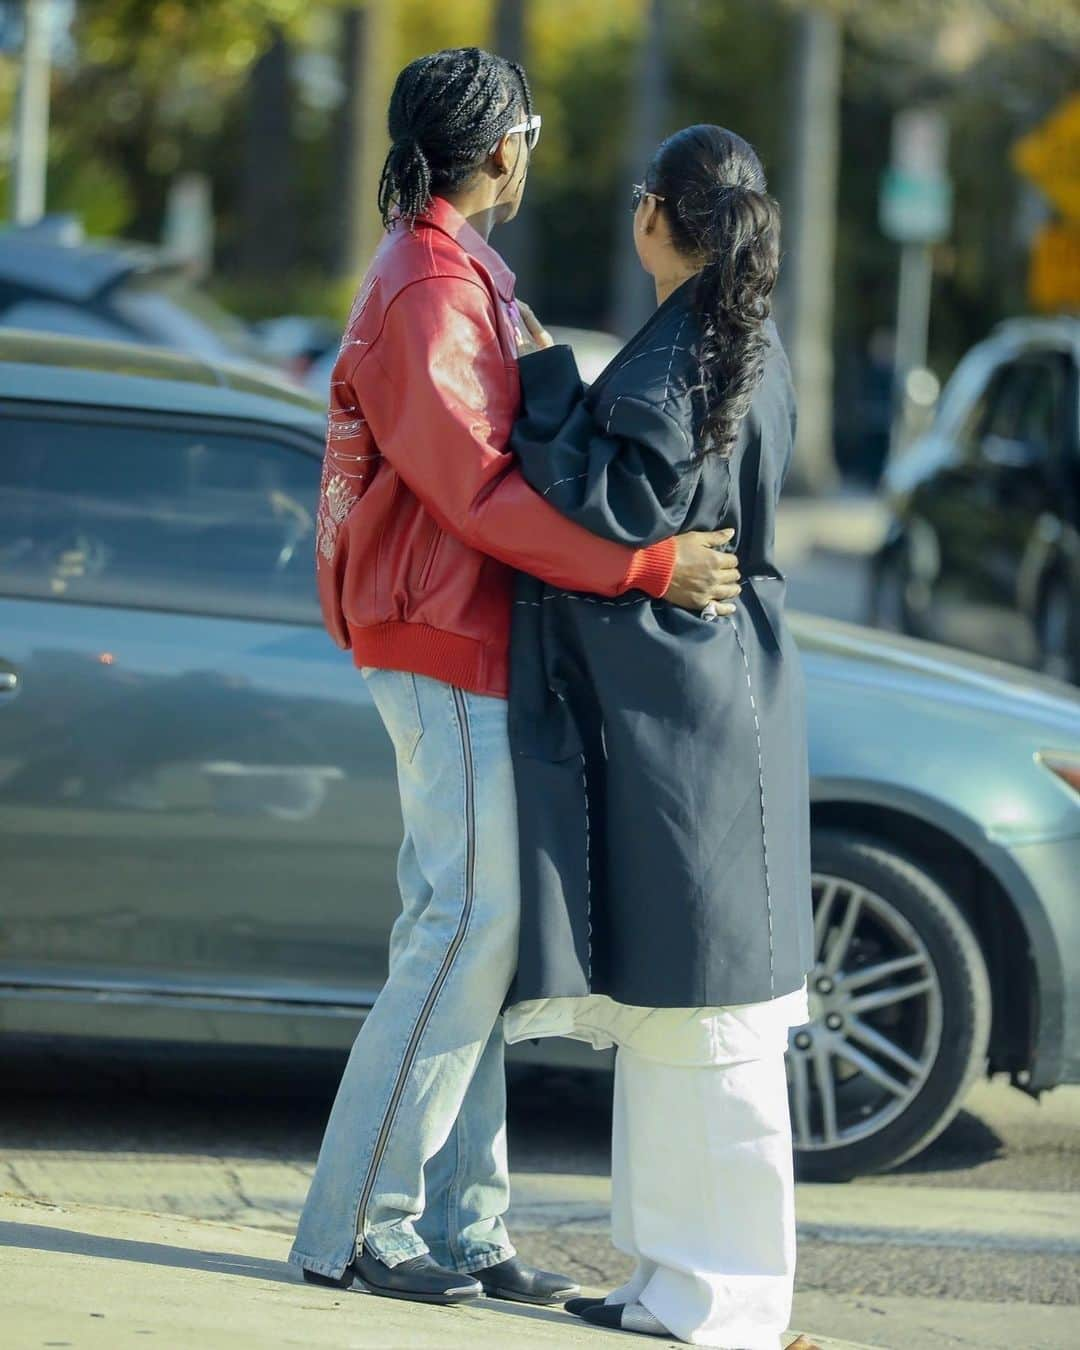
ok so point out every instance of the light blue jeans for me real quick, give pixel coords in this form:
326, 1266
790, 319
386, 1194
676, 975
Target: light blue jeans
414, 1155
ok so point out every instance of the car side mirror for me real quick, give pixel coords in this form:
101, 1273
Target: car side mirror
1005, 452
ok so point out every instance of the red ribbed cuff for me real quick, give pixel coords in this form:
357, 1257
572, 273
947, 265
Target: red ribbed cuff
652, 568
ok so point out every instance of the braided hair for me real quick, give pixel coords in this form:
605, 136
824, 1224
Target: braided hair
719, 212
446, 112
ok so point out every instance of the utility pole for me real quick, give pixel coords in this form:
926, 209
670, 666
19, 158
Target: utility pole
32, 116
267, 195
635, 297
915, 208
805, 291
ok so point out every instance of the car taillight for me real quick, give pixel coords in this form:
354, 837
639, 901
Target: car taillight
1066, 767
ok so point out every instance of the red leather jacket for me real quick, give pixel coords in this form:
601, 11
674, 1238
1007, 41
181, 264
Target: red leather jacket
423, 515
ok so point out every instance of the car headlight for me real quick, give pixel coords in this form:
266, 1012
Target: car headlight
1063, 765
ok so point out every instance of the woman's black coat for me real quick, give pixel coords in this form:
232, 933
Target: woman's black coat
659, 758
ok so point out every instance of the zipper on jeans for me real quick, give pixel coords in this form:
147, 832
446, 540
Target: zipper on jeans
440, 978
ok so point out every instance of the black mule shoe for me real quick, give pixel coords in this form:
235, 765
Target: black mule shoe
577, 1306
625, 1317
519, 1283
419, 1280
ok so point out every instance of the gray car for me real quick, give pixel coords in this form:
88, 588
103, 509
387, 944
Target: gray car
198, 808
53, 280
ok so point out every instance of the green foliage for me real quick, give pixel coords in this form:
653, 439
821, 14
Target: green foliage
208, 42
164, 85
301, 292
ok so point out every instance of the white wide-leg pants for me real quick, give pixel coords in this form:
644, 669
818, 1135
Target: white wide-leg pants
703, 1196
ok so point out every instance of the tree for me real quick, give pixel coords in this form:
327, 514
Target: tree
806, 290
367, 71
634, 297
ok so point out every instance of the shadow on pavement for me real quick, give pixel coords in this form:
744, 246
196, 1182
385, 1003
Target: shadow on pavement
966, 1143
35, 1237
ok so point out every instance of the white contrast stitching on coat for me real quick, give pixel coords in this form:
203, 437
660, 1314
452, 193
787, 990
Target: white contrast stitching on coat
585, 599
611, 411
588, 875
671, 364
568, 479
761, 793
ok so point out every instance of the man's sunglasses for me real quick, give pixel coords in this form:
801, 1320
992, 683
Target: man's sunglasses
531, 129
640, 190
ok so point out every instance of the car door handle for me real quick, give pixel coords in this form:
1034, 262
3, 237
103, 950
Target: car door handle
9, 681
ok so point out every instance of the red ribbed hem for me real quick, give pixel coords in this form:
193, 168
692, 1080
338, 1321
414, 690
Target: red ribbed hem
652, 568
423, 650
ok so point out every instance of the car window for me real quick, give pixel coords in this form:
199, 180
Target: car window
989, 409
1024, 400
1041, 402
111, 512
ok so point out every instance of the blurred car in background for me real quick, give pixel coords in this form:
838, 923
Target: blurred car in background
298, 341
592, 349
198, 810
984, 546
54, 281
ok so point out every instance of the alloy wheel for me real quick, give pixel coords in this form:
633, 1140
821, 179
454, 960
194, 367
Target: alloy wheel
876, 1019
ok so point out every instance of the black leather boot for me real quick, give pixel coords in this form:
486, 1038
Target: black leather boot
519, 1283
420, 1280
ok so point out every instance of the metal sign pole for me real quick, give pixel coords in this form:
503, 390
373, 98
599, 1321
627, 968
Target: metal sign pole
32, 116
912, 329
916, 211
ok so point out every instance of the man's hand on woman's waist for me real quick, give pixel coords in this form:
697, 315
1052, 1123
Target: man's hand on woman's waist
705, 572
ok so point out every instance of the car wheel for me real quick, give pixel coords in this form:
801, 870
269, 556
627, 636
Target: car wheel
1056, 634
888, 595
900, 1012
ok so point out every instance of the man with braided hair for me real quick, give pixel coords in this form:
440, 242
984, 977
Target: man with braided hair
424, 519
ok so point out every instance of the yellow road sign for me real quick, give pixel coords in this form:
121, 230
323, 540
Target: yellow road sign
1050, 157
1054, 279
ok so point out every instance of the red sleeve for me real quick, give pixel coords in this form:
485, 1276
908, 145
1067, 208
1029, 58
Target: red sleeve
438, 400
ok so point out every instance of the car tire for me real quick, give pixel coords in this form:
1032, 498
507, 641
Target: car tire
888, 594
922, 1026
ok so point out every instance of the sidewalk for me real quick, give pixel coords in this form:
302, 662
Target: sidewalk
848, 523
107, 1279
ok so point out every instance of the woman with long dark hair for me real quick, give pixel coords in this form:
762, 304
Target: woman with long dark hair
660, 764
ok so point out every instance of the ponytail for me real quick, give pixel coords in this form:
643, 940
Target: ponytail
405, 180
719, 212
732, 301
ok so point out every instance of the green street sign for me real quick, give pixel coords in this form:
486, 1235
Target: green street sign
914, 208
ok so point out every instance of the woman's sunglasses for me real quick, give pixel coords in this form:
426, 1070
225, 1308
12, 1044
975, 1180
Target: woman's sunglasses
640, 190
531, 129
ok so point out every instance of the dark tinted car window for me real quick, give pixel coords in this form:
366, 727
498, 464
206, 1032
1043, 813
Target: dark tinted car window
987, 408
1040, 412
1024, 400
116, 513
